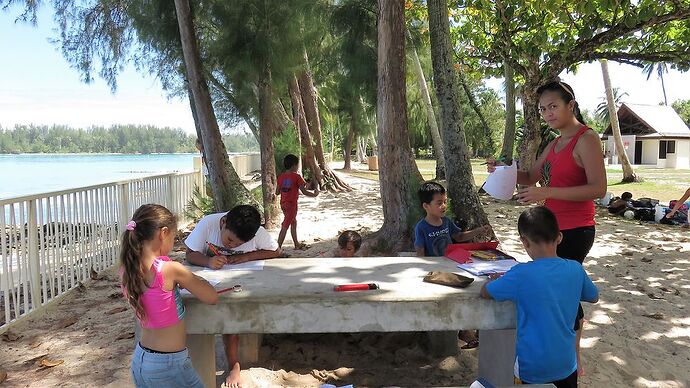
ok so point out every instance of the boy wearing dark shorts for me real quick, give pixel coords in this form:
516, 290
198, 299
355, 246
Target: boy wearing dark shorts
546, 293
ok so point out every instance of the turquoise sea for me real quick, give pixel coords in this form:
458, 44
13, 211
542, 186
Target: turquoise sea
27, 174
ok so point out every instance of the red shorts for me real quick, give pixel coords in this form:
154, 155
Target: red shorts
290, 213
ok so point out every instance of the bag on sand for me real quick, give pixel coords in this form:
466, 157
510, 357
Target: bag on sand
448, 279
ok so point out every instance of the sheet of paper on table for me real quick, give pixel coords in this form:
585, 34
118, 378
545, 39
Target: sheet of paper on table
481, 267
256, 265
500, 184
184, 291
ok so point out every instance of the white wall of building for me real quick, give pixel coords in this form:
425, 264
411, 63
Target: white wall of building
650, 151
683, 154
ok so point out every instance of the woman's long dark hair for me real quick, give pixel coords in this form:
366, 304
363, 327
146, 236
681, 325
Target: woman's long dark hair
148, 220
567, 94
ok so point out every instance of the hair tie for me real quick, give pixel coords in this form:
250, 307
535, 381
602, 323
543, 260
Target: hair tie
131, 225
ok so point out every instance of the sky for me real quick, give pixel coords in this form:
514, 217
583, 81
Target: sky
37, 85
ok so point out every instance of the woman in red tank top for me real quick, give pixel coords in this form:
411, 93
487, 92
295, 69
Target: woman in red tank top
572, 174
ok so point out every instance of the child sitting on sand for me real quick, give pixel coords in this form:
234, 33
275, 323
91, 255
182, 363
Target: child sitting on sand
349, 243
546, 293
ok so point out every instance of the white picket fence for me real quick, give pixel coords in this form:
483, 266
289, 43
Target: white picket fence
50, 242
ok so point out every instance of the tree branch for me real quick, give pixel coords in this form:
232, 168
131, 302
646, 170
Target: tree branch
635, 58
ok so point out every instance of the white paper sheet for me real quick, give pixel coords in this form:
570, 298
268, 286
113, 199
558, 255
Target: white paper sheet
184, 291
500, 184
256, 265
481, 267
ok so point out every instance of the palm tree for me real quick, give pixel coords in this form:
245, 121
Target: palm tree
660, 68
602, 110
628, 173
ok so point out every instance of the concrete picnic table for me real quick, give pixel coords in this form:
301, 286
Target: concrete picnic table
295, 295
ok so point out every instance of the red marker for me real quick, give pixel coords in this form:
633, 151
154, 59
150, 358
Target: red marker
356, 287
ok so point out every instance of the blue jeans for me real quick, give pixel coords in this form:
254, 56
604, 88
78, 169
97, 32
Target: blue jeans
163, 369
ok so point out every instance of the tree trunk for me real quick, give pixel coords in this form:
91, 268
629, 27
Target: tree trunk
268, 165
308, 158
461, 187
628, 173
487, 147
350, 140
663, 86
228, 190
433, 125
399, 176
528, 147
509, 132
330, 180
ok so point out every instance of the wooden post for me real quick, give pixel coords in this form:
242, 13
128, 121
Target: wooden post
34, 262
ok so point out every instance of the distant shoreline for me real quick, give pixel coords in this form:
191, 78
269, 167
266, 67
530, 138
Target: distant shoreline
113, 153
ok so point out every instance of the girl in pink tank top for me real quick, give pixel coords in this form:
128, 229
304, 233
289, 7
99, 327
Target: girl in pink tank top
151, 284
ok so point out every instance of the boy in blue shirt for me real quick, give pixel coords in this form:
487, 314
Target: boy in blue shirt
434, 232
546, 293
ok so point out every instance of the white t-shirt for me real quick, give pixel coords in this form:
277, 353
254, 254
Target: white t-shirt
208, 230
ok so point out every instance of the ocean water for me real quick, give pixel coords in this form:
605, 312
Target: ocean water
27, 174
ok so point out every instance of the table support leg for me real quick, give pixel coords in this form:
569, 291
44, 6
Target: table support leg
203, 354
497, 356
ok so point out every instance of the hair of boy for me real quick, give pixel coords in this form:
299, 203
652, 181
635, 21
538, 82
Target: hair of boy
149, 219
350, 236
290, 161
626, 195
567, 95
538, 224
428, 189
243, 221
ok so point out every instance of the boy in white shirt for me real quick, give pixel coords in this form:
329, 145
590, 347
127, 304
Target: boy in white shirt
230, 238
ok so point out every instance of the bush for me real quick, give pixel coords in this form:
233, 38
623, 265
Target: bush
285, 143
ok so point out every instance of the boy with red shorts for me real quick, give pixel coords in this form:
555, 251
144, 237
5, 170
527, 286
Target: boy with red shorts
290, 183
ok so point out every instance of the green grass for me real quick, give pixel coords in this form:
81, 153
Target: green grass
661, 184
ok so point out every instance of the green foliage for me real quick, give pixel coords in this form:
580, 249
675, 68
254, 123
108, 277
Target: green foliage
125, 139
285, 143
683, 109
602, 110
199, 205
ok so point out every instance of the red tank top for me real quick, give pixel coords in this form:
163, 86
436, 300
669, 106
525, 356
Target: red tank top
561, 170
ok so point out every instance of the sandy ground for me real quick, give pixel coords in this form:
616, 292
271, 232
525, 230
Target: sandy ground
638, 335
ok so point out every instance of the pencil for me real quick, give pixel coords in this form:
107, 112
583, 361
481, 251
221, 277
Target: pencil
213, 249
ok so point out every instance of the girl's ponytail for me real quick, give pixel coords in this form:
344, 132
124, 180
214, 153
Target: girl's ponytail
145, 223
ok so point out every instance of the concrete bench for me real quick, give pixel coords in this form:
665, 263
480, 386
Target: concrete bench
296, 296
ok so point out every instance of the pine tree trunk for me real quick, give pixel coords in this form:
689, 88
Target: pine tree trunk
228, 190
628, 173
433, 125
308, 158
268, 166
350, 140
330, 180
461, 188
509, 132
399, 176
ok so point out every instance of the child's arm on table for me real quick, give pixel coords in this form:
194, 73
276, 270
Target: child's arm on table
261, 254
470, 234
200, 259
198, 286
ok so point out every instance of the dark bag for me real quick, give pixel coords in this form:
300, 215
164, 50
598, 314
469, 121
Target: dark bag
645, 202
448, 279
644, 214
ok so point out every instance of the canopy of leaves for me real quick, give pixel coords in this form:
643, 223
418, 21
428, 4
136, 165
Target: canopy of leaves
683, 109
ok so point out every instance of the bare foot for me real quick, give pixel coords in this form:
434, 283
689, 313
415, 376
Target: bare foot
233, 379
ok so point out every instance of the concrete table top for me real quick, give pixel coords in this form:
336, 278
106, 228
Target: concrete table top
295, 295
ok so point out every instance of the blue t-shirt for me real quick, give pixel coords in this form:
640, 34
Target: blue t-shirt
434, 239
546, 293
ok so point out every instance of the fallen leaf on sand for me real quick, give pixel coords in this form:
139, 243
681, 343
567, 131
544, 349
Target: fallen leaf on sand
34, 345
640, 288
125, 336
34, 359
81, 287
9, 336
3, 376
646, 260
117, 310
627, 253
46, 363
115, 295
652, 296
658, 316
67, 322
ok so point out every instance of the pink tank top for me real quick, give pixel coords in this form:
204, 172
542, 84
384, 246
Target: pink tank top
561, 170
163, 308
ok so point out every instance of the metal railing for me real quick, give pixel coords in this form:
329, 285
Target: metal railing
51, 242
